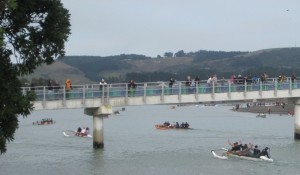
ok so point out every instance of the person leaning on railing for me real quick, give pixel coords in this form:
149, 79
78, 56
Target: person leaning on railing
68, 87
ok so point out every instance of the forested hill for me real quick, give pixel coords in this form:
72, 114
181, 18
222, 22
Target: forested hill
121, 68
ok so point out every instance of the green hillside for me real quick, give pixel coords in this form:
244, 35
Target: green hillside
121, 68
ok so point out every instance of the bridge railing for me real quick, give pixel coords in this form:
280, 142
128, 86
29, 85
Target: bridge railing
45, 93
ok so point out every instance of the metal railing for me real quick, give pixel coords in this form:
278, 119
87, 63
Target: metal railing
46, 93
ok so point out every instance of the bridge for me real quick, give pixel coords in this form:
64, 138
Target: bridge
98, 101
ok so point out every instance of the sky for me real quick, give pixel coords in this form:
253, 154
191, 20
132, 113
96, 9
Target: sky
153, 27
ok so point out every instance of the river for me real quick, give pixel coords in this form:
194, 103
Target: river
133, 146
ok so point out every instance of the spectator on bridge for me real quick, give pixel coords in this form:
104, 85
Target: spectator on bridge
50, 88
32, 86
209, 81
131, 87
293, 78
215, 79
68, 87
55, 85
197, 80
281, 78
102, 83
254, 79
171, 82
232, 79
188, 81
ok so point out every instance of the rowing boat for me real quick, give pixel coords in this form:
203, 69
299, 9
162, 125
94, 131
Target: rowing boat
227, 155
70, 133
164, 127
262, 115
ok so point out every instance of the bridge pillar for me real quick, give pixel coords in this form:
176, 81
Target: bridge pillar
98, 113
297, 120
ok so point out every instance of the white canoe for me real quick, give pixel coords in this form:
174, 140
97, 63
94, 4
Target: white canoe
227, 155
262, 115
70, 133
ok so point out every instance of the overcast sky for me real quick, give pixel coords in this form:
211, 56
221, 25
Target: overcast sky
153, 27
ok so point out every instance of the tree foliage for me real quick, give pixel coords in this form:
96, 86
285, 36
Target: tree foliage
32, 32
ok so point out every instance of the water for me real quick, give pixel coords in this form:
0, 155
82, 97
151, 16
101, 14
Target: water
134, 146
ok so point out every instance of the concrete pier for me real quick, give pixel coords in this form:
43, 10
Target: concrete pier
297, 120
98, 114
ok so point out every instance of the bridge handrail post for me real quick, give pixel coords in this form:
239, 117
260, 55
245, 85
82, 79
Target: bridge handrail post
179, 92
229, 88
213, 90
145, 92
197, 91
276, 88
290, 90
126, 93
162, 92
245, 88
64, 97
107, 94
102, 94
83, 94
44, 95
260, 88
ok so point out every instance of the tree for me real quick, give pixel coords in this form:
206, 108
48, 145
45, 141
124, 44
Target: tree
168, 54
180, 53
32, 32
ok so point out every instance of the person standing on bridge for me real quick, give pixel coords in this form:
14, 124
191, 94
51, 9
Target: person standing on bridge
102, 84
131, 87
68, 87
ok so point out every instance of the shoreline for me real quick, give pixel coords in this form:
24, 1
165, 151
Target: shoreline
288, 109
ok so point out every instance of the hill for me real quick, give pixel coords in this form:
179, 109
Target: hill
121, 68
59, 71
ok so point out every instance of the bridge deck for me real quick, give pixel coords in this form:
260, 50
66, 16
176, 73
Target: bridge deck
160, 92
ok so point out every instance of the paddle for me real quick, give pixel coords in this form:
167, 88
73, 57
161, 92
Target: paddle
223, 149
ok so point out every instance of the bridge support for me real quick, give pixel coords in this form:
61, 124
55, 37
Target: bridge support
98, 113
297, 119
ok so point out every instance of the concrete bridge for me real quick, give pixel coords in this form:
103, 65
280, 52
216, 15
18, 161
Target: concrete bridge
98, 101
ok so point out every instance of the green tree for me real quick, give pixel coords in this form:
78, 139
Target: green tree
180, 53
168, 54
32, 32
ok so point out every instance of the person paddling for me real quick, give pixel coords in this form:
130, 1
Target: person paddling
264, 152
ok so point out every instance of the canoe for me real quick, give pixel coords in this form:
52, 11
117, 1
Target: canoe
227, 155
43, 122
70, 133
164, 127
261, 115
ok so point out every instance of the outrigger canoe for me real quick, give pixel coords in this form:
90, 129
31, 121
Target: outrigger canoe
262, 115
228, 154
70, 133
164, 127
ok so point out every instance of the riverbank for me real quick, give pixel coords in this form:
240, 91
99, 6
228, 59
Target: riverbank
286, 110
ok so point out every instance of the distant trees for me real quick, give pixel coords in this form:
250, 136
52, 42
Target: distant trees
203, 55
180, 53
168, 54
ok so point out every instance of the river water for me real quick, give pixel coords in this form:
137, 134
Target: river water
133, 146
